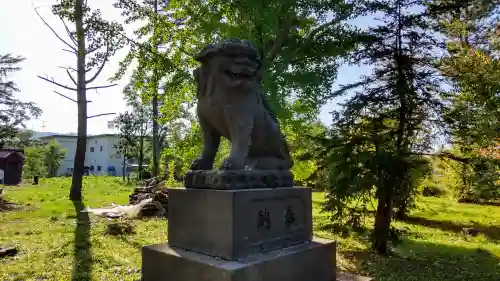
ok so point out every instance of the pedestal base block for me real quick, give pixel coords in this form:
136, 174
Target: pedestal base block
309, 261
233, 224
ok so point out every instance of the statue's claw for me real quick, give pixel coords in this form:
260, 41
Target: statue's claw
200, 163
231, 164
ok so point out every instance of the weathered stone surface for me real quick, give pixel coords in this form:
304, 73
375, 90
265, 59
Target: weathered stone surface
245, 118
308, 261
238, 179
232, 224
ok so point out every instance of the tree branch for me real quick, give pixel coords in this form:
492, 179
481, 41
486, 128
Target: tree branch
278, 43
64, 96
444, 155
102, 114
72, 79
69, 32
101, 87
51, 29
101, 67
68, 68
70, 51
58, 84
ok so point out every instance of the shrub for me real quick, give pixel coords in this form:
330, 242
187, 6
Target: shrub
434, 190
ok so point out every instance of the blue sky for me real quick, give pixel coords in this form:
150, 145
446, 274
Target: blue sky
24, 34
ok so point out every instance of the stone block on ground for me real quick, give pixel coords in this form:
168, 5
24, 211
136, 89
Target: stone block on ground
308, 261
235, 223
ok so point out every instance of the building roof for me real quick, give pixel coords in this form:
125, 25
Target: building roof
5, 153
74, 136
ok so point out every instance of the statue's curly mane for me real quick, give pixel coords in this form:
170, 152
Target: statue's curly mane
234, 47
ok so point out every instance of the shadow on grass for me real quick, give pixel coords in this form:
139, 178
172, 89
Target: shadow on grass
7, 205
418, 261
82, 259
131, 242
492, 232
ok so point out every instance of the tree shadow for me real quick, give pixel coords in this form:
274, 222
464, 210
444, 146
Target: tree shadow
416, 260
492, 232
130, 242
6, 205
82, 259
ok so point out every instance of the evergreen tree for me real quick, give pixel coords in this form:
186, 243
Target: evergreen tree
13, 112
382, 131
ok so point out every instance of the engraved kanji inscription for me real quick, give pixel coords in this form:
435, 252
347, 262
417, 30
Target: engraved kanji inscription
264, 219
289, 216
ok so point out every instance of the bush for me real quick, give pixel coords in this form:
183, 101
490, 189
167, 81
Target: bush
434, 190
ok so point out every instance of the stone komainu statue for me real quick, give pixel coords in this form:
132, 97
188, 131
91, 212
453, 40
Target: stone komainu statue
231, 104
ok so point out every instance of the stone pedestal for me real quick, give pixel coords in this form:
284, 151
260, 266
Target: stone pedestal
308, 261
241, 235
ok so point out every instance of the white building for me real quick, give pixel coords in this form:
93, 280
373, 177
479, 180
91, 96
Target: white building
101, 157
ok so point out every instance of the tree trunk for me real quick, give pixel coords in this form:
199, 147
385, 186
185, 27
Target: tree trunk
401, 213
81, 143
155, 132
123, 164
382, 222
154, 101
141, 155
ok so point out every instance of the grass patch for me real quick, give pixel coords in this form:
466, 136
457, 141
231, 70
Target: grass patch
58, 243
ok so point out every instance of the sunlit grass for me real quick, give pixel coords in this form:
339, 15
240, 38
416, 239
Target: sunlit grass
43, 229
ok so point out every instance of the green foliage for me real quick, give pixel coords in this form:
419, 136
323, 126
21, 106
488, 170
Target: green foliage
433, 249
13, 112
434, 190
23, 138
184, 146
34, 165
300, 145
301, 43
472, 115
43, 160
53, 154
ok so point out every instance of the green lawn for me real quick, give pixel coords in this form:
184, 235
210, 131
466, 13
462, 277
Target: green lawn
56, 244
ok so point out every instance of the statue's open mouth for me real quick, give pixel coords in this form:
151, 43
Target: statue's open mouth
242, 68
239, 74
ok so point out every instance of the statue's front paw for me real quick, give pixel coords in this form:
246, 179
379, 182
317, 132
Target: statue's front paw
200, 163
232, 164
